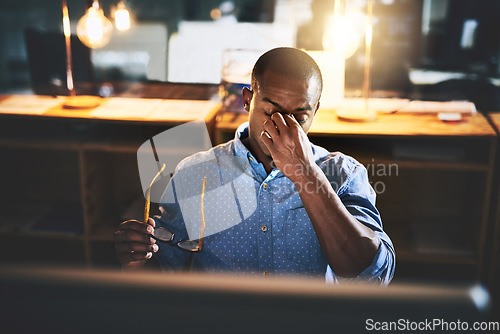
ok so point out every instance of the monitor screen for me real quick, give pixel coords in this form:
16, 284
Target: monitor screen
38, 300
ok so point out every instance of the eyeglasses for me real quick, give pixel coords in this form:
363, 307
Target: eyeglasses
163, 234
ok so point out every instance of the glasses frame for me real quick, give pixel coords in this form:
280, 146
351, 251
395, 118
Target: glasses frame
158, 232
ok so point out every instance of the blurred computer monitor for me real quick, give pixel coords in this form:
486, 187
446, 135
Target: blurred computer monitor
78, 301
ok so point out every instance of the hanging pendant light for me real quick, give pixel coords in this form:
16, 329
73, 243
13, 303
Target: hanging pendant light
122, 17
94, 29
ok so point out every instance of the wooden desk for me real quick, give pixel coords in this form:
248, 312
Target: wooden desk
326, 124
70, 177
494, 272
433, 183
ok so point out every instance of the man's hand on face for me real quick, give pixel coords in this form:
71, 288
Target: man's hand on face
289, 146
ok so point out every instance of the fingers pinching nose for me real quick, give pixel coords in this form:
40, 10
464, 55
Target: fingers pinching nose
265, 133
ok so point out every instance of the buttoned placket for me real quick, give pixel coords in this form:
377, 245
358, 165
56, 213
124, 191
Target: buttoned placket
265, 239
265, 208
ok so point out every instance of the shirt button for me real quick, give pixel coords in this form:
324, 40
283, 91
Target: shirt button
265, 273
246, 165
264, 228
264, 185
250, 158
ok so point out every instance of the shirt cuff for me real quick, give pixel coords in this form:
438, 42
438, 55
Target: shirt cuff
377, 265
375, 272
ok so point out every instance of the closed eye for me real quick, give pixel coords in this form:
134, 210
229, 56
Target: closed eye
300, 120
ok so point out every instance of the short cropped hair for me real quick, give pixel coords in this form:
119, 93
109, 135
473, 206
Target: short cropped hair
287, 61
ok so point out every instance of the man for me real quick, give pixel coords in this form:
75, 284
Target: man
311, 212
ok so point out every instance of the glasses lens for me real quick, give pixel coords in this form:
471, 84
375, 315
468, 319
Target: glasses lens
162, 234
189, 245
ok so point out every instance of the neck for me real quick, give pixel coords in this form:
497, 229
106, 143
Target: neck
261, 157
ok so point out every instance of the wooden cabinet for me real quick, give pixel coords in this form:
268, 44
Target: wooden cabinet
68, 180
433, 182
41, 207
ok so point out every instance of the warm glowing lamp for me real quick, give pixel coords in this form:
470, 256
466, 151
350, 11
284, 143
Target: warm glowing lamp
94, 29
122, 17
342, 33
365, 113
370, 113
73, 101
341, 39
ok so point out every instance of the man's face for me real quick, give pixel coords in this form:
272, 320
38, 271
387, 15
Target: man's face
278, 93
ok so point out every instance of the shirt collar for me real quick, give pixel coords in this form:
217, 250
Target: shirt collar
240, 149
241, 133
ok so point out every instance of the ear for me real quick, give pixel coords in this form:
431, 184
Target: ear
247, 95
317, 107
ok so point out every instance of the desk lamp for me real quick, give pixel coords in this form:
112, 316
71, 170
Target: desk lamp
94, 30
343, 34
369, 114
341, 39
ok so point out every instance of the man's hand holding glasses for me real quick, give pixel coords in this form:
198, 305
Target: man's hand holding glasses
135, 241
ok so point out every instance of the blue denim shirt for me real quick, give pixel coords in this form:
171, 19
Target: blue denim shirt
256, 223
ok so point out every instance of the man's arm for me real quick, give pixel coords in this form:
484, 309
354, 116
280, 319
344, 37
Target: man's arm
348, 245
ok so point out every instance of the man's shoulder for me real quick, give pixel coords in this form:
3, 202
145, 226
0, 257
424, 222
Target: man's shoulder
325, 158
339, 168
224, 149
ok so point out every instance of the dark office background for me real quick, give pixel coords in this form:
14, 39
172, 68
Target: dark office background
399, 43
16, 16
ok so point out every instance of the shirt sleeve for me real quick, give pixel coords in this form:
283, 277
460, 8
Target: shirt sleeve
358, 197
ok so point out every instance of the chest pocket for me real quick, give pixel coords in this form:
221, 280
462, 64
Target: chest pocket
302, 246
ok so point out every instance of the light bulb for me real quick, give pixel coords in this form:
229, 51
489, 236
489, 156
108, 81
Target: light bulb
341, 35
94, 29
122, 17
